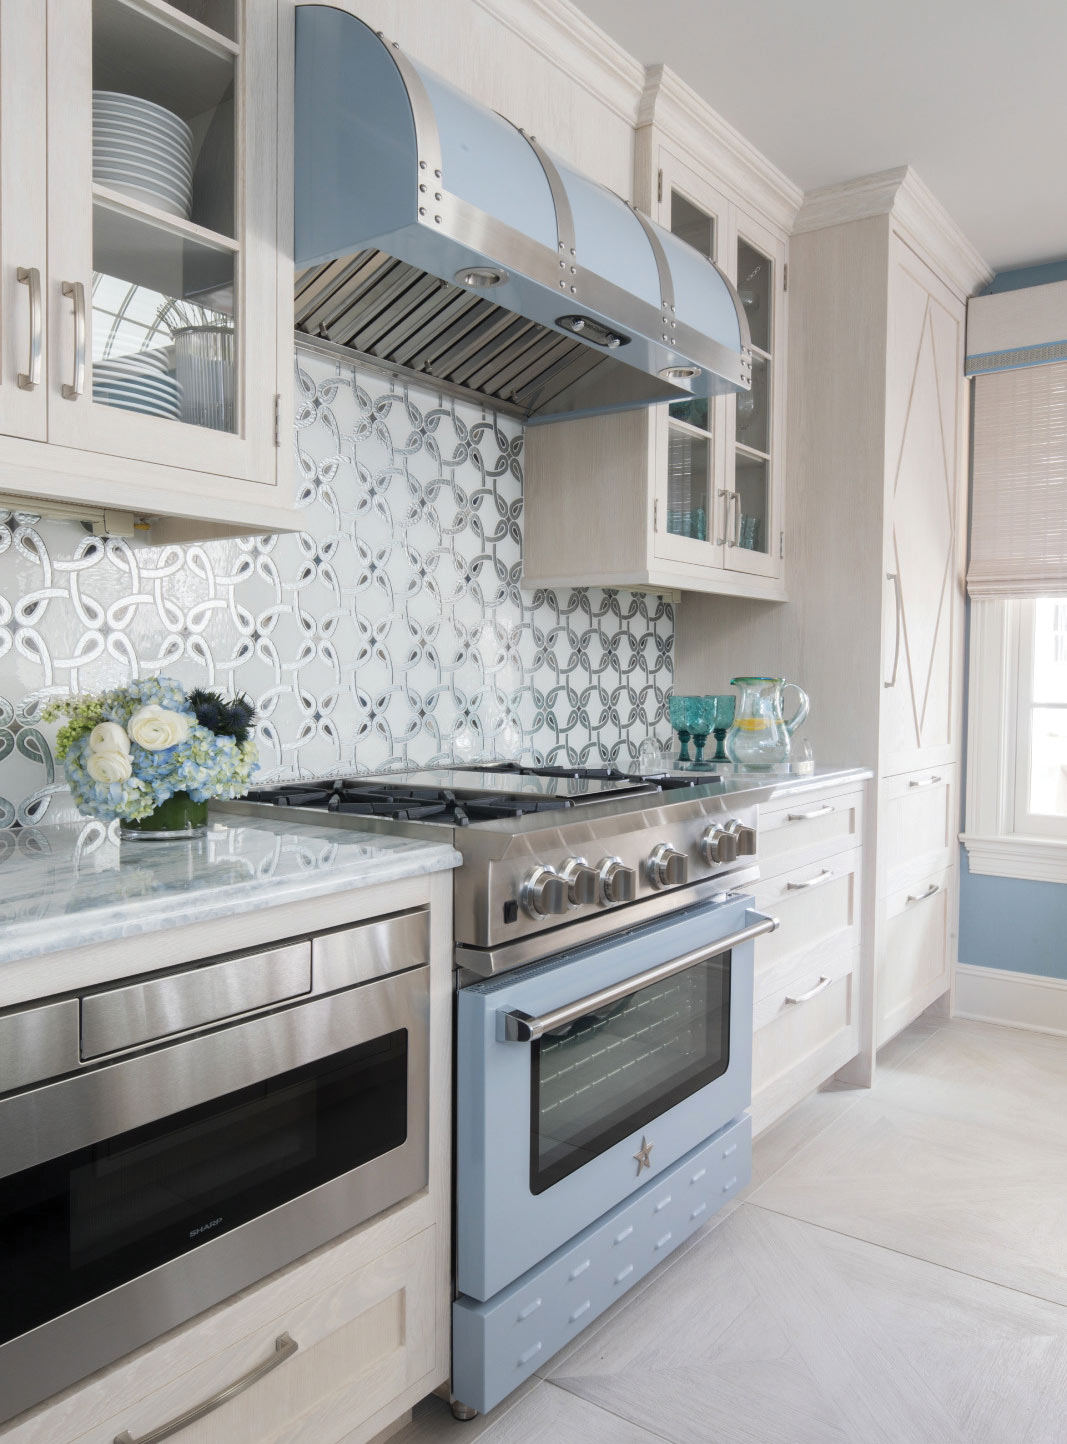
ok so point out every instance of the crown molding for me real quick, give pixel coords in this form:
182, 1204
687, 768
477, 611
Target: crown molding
705, 138
564, 35
902, 194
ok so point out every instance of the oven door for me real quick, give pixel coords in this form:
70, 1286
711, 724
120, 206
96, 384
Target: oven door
563, 1111
149, 1187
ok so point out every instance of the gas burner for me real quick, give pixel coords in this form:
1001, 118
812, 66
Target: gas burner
404, 802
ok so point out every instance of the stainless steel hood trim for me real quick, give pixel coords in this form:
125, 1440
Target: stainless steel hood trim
560, 202
427, 136
663, 266
348, 354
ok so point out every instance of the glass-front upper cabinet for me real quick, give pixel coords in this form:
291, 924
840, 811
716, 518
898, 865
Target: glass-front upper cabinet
755, 529
162, 199
719, 488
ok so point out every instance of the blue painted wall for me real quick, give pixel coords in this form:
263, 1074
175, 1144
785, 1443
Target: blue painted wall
1006, 922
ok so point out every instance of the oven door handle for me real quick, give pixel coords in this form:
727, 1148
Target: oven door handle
522, 1028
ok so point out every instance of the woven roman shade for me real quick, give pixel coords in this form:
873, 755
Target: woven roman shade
1019, 499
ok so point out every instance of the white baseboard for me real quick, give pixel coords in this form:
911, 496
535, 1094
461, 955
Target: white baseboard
1020, 1000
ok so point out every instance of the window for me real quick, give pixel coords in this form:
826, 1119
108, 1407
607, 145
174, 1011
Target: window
1017, 739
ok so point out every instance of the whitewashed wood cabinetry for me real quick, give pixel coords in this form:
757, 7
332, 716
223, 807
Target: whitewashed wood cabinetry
695, 489
119, 273
811, 977
877, 416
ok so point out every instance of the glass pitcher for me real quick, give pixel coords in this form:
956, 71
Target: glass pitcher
760, 735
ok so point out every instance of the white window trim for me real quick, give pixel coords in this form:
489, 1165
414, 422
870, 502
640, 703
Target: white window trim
993, 845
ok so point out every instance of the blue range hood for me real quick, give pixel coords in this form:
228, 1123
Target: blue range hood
435, 236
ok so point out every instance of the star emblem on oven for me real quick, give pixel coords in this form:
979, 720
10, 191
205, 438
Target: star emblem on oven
643, 1156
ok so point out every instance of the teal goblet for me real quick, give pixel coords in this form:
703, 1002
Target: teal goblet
680, 723
700, 717
722, 722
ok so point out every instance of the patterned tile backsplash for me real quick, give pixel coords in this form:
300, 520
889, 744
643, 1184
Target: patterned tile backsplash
391, 632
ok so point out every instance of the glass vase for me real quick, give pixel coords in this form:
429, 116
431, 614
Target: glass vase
175, 820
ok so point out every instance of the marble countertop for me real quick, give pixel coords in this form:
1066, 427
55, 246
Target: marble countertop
71, 884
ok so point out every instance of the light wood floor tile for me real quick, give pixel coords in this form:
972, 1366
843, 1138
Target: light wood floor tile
542, 1413
982, 1199
780, 1331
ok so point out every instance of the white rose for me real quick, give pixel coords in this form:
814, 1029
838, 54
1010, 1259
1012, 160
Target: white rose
109, 766
154, 728
109, 737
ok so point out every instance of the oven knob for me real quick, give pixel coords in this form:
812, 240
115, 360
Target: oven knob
667, 867
544, 893
582, 881
618, 883
718, 845
746, 837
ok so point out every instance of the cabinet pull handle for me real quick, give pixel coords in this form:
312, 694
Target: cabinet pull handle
736, 498
76, 291
823, 982
924, 781
895, 579
726, 495
807, 816
922, 896
284, 1348
31, 379
819, 878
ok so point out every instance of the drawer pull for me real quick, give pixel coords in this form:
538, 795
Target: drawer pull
823, 982
922, 896
284, 1348
815, 812
816, 881
924, 781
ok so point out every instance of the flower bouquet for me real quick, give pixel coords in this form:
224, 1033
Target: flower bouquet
152, 754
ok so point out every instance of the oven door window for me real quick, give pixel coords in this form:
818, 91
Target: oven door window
614, 1070
77, 1226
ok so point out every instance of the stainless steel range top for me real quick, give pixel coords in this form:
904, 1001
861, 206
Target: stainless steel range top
552, 857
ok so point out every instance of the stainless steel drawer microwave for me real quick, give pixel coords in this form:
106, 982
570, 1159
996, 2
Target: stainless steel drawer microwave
170, 1139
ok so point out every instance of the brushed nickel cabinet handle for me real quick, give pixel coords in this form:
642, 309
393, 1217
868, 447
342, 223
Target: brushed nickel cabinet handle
735, 497
726, 495
284, 1348
815, 812
819, 878
74, 388
922, 896
30, 379
924, 781
823, 982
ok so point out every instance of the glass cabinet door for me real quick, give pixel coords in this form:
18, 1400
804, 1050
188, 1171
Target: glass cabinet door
23, 209
690, 498
754, 543
162, 198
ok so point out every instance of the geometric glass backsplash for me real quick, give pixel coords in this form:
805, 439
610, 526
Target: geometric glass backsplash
391, 632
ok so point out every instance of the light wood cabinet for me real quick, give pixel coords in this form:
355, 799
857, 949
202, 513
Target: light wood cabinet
877, 416
810, 975
188, 289
689, 496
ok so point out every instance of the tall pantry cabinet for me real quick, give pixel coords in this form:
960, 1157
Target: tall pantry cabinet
877, 424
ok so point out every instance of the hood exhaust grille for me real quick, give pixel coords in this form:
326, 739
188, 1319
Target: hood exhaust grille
401, 316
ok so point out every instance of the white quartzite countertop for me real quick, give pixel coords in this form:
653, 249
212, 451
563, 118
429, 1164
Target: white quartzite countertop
72, 884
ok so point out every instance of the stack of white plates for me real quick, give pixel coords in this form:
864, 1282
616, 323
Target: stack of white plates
138, 383
143, 151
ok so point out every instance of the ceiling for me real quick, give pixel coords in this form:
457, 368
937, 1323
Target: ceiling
971, 93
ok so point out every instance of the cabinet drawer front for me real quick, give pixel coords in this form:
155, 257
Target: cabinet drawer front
919, 824
818, 907
798, 987
913, 965
801, 1029
808, 828
361, 1341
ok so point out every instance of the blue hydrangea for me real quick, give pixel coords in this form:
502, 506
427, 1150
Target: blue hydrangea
204, 765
